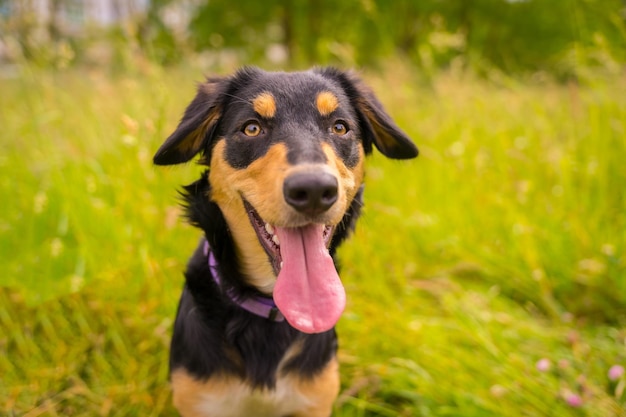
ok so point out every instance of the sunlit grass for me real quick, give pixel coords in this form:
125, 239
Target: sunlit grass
501, 245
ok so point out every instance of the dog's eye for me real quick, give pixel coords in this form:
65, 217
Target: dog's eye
340, 128
252, 129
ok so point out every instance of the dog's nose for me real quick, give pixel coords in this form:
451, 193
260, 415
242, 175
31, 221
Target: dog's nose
310, 193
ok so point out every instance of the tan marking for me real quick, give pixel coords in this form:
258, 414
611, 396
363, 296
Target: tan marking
326, 103
228, 396
265, 105
321, 390
261, 184
350, 179
187, 392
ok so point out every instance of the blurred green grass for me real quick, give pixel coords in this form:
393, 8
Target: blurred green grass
501, 245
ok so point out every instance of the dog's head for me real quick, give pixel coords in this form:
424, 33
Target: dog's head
285, 152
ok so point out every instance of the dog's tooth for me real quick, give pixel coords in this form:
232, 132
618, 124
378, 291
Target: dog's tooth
275, 239
281, 264
269, 229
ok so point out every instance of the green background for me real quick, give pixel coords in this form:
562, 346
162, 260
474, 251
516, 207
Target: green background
485, 278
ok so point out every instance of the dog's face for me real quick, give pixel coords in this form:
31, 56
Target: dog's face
286, 153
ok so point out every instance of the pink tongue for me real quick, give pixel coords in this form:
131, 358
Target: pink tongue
308, 290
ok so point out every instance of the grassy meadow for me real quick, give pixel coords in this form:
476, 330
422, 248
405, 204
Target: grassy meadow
486, 278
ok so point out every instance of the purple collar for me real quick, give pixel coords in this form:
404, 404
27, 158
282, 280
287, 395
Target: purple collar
261, 306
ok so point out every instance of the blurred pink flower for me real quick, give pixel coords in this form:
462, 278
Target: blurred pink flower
543, 365
573, 400
616, 372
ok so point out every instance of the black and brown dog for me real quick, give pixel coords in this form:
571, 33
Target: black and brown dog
254, 334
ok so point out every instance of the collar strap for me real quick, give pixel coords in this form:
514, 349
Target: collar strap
261, 306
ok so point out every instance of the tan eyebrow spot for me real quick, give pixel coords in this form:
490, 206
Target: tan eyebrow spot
265, 105
327, 103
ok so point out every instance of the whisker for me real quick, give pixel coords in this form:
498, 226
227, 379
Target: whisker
239, 99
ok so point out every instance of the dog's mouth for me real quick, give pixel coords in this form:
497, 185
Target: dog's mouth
268, 237
308, 290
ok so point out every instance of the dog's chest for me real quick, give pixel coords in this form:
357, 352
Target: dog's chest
239, 399
225, 396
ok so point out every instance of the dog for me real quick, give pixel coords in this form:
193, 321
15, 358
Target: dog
254, 333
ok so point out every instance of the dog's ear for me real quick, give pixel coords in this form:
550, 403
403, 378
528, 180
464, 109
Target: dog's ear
377, 126
197, 125
381, 129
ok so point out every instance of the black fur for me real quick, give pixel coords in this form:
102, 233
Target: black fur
240, 152
212, 335
206, 315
